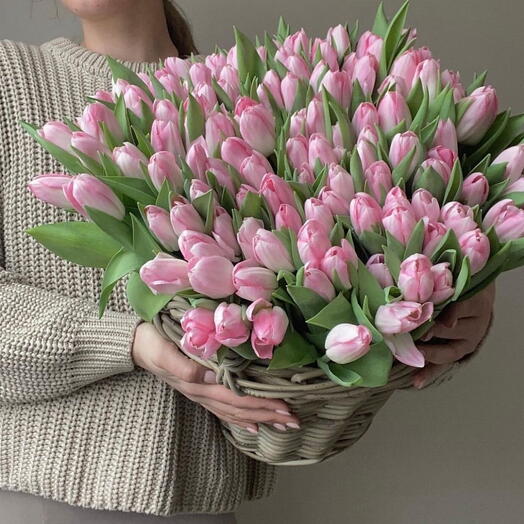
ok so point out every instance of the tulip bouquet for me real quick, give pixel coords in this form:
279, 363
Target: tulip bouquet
316, 202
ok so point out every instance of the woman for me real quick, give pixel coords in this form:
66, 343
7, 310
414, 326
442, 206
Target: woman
104, 414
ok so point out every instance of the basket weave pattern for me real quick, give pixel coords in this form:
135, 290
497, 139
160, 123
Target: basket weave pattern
332, 417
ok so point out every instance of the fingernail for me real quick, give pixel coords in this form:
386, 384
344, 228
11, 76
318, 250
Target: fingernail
252, 430
292, 425
280, 427
210, 377
283, 412
426, 337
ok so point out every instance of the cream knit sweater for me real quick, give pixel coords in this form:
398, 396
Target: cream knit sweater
78, 423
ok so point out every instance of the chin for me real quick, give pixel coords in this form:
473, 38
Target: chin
96, 9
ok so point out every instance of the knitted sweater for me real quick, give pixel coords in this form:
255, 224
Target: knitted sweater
78, 422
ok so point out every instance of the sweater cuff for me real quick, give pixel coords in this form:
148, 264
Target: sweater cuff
102, 347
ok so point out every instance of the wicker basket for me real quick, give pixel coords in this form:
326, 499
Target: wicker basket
332, 417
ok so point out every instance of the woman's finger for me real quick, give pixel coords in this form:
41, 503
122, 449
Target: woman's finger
252, 428
446, 353
471, 328
428, 374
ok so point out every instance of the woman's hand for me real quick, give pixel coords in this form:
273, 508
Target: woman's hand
162, 358
462, 326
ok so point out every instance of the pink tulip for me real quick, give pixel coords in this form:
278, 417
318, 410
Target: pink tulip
165, 136
402, 317
448, 156
230, 327
246, 234
475, 245
400, 222
130, 160
234, 150
306, 175
218, 128
320, 69
211, 276
199, 337
165, 274
401, 145
254, 167
516, 187
317, 210
366, 151
395, 198
416, 280
366, 114
335, 263
379, 180
58, 134
276, 191
405, 66
315, 117
49, 188
269, 327
297, 150
298, 123
135, 99
269, 251
313, 242
177, 66
453, 78
376, 265
194, 244
171, 83
340, 182
215, 63
257, 126
198, 188
163, 166
329, 55
475, 189
316, 280
185, 216
507, 219
242, 193
443, 288
104, 96
404, 350
289, 89
392, 110
433, 234
428, 72
94, 116
347, 342
321, 149
338, 85
206, 96
199, 72
365, 213
482, 108
272, 83
160, 225
198, 160
220, 169
440, 167
370, 43
446, 135
514, 156
224, 234
365, 73
89, 145
337, 204
164, 109
297, 65
424, 204
340, 38
86, 190
458, 217
252, 281
288, 216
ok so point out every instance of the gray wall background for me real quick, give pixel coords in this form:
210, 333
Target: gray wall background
450, 455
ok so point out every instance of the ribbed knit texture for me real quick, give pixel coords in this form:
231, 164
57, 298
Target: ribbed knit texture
78, 423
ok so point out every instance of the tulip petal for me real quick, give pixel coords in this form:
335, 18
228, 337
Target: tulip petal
404, 349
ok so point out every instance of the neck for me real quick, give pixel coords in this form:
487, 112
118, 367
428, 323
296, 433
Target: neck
137, 35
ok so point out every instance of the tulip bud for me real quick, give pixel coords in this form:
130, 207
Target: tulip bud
306, 174
514, 156
165, 136
516, 187
376, 265
428, 72
507, 219
273, 84
338, 85
211, 276
297, 151
163, 166
335, 263
196, 244
347, 342
416, 280
402, 145
254, 167
396, 198
365, 213
366, 151
298, 123
218, 128
482, 108
89, 145
441, 168
269, 327
379, 180
371, 44
448, 156
321, 149
289, 89
405, 66
433, 234
224, 233
199, 337
424, 204
366, 114
160, 225
340, 182
271, 252
257, 127
446, 136
443, 288
475, 189
315, 209
185, 216
49, 188
165, 274
337, 204
339, 36
288, 216
242, 193
96, 114
230, 327
458, 217
329, 55
164, 109
365, 73
252, 281
315, 118
135, 99
400, 222
130, 160
221, 171
197, 160
402, 317
475, 245
316, 280
58, 134
246, 233
88, 191
234, 150
313, 242
171, 83
276, 191
453, 79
